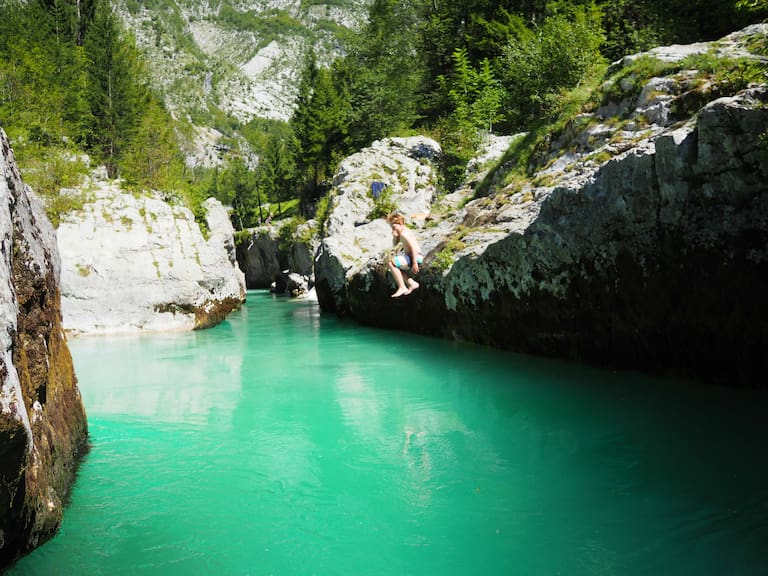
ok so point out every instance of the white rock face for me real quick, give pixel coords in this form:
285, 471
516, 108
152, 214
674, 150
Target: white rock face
353, 240
137, 263
11, 396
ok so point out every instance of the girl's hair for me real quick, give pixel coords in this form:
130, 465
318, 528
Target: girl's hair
395, 218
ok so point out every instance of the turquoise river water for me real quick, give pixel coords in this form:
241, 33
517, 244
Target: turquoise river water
285, 442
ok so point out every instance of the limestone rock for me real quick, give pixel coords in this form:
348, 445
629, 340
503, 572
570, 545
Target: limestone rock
353, 239
138, 263
641, 239
212, 64
259, 257
267, 264
42, 420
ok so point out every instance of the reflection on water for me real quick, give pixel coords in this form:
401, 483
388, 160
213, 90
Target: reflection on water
142, 377
288, 442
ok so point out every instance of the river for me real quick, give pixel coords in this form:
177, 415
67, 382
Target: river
287, 442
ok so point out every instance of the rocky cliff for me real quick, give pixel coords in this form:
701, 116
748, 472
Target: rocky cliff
271, 259
639, 239
243, 58
133, 263
42, 421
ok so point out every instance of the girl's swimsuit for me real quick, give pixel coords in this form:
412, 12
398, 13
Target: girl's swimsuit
403, 261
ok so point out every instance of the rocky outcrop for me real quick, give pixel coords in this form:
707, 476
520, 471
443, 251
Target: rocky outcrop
272, 259
355, 238
259, 257
640, 240
133, 263
42, 421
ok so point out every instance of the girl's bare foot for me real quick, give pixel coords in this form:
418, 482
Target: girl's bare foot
401, 292
412, 285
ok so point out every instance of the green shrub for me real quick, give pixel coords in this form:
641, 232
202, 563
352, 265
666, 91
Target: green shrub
383, 205
287, 234
447, 256
322, 212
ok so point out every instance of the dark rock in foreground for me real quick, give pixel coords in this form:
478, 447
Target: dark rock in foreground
43, 426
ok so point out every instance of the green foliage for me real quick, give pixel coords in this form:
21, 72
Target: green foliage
116, 88
41, 79
319, 124
525, 154
48, 169
476, 95
277, 169
322, 211
629, 81
288, 233
632, 26
242, 237
72, 83
383, 205
258, 132
152, 159
237, 183
57, 205
267, 26
382, 73
725, 75
447, 256
729, 75
542, 63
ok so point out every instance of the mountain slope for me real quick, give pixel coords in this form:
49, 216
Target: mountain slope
220, 64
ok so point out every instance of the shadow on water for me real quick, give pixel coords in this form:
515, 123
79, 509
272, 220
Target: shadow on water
286, 442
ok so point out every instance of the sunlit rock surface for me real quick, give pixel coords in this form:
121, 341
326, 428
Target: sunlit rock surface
354, 239
141, 264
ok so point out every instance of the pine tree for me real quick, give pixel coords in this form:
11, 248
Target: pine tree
116, 89
319, 123
237, 182
384, 73
276, 170
153, 159
301, 120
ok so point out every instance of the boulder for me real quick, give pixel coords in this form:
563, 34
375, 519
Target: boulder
353, 239
133, 263
266, 262
259, 258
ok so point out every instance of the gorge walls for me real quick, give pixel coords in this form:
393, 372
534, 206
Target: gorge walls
640, 239
42, 420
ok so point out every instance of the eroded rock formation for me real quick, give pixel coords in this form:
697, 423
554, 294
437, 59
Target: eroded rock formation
641, 239
139, 263
354, 240
42, 420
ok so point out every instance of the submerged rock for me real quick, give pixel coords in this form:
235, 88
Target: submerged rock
42, 420
138, 263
